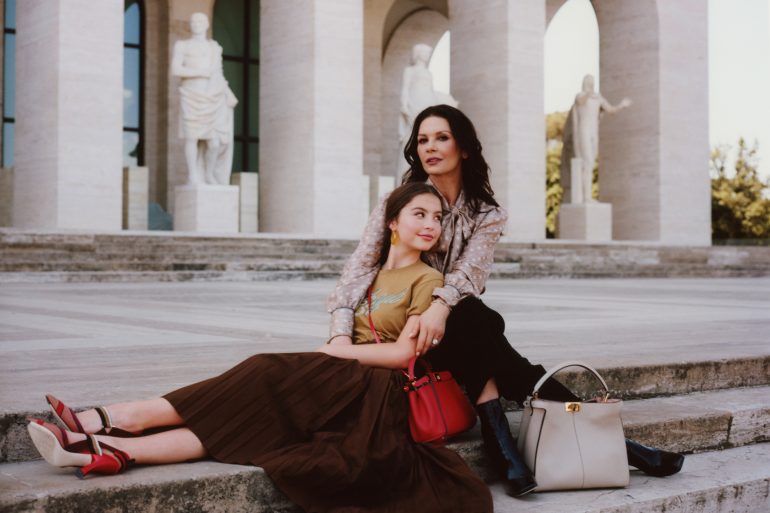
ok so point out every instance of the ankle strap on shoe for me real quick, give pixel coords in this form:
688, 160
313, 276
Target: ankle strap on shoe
106, 419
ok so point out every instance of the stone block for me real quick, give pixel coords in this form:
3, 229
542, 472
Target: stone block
378, 187
589, 221
6, 196
206, 208
248, 195
135, 198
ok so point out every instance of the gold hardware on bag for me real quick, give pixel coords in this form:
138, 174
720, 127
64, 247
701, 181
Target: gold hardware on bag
572, 407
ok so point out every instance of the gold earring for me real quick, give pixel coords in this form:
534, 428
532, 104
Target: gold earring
394, 238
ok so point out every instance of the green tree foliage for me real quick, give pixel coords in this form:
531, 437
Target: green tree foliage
739, 209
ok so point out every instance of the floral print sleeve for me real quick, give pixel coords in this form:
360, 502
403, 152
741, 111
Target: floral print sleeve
359, 272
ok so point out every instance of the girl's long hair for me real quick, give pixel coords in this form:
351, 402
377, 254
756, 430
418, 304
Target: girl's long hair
398, 199
475, 170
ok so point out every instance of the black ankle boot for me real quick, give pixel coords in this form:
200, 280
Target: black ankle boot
655, 462
502, 451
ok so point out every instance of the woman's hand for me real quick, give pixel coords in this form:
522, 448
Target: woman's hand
432, 326
341, 340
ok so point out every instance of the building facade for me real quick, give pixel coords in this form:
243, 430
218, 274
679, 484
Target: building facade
87, 90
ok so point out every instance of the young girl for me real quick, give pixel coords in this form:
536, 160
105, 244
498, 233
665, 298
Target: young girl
330, 428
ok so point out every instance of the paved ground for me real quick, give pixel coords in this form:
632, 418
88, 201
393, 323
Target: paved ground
151, 338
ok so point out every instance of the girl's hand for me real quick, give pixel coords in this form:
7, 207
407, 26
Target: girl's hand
431, 327
341, 340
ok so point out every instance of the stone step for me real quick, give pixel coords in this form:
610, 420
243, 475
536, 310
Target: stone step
32, 252
678, 381
161, 276
734, 480
172, 265
685, 423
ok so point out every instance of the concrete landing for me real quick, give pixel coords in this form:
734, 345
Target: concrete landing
106, 342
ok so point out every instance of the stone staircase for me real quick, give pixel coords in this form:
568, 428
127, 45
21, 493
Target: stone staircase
718, 411
171, 256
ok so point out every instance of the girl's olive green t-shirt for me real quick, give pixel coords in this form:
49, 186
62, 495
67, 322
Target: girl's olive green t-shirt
396, 294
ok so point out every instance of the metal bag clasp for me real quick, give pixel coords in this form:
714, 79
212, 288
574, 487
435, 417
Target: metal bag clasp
572, 407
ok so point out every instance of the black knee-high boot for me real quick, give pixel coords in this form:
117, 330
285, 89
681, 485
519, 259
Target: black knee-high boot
501, 449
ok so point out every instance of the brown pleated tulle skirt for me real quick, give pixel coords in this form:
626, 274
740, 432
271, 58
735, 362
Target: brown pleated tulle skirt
331, 433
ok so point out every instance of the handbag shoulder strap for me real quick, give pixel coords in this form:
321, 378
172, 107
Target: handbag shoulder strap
371, 323
564, 365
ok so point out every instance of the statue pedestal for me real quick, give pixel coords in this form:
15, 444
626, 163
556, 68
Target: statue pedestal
206, 208
248, 209
585, 221
135, 198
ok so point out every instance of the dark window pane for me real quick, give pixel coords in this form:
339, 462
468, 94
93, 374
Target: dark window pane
131, 91
130, 149
238, 157
10, 14
234, 76
254, 30
253, 157
9, 76
8, 129
254, 100
132, 22
228, 26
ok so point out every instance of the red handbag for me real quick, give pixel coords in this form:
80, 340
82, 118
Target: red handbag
438, 408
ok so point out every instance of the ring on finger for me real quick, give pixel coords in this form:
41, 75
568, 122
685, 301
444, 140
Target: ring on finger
434, 342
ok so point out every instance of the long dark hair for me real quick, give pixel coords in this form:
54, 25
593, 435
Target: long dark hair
475, 170
398, 199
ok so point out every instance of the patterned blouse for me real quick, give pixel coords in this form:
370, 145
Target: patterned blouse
463, 254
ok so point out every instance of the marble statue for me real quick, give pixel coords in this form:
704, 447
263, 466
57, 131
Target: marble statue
417, 91
581, 139
207, 105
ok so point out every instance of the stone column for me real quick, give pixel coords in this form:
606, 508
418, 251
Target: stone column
653, 157
311, 124
497, 76
69, 114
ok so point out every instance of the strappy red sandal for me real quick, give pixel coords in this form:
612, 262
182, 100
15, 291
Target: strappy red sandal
89, 455
67, 417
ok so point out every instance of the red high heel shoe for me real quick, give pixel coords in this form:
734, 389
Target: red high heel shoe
54, 446
67, 417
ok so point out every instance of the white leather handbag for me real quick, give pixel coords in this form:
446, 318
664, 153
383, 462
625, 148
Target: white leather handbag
574, 445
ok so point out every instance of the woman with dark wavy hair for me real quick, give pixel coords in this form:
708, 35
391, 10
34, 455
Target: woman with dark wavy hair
462, 334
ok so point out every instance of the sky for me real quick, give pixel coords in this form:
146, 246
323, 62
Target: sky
739, 67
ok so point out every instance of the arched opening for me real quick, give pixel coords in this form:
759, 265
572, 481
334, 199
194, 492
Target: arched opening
439, 64
236, 28
133, 83
571, 52
423, 26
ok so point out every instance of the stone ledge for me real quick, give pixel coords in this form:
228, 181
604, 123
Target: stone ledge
735, 480
688, 423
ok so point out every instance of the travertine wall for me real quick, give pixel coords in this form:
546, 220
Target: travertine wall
685, 184
497, 74
653, 157
311, 125
69, 76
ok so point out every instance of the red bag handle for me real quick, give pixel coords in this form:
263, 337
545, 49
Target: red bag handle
371, 323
